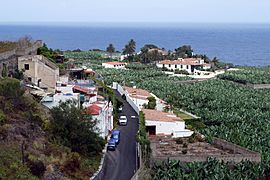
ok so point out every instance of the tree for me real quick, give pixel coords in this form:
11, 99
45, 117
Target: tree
184, 51
74, 129
130, 48
151, 103
4, 71
110, 49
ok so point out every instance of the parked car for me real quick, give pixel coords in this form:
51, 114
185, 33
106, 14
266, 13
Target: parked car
111, 145
116, 136
123, 120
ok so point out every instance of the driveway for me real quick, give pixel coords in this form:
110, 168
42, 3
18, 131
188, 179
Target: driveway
121, 163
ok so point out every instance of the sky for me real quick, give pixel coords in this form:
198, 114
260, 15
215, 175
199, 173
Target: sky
185, 11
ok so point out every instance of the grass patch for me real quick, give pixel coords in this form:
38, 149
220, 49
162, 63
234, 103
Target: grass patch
182, 115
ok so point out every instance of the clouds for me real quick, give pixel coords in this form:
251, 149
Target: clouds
135, 11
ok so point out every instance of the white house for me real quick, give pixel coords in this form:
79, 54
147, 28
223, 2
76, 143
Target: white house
165, 124
114, 64
102, 113
138, 96
51, 101
188, 64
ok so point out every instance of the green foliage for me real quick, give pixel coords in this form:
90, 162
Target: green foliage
254, 75
131, 76
151, 103
45, 51
75, 130
110, 48
7, 46
211, 169
4, 71
184, 51
10, 88
130, 48
3, 117
239, 115
92, 55
11, 166
178, 71
143, 140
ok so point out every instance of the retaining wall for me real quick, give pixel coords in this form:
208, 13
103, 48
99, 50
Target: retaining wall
121, 90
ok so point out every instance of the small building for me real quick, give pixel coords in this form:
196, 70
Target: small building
138, 96
39, 70
114, 64
188, 64
55, 100
102, 113
165, 124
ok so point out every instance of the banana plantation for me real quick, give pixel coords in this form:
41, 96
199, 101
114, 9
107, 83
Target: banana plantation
237, 114
253, 75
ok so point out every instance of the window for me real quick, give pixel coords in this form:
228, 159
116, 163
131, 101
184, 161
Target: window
169, 65
26, 66
187, 66
181, 66
175, 66
163, 65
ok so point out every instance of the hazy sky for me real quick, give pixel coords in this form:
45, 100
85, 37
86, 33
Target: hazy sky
221, 11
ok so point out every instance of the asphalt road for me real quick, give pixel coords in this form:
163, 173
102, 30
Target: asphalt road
121, 163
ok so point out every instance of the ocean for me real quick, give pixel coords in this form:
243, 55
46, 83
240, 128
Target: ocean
233, 43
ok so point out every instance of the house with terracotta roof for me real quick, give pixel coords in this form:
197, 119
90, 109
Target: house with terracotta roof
164, 124
114, 64
102, 113
188, 64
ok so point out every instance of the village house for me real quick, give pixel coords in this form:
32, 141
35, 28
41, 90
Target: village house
39, 70
102, 112
165, 124
189, 64
114, 64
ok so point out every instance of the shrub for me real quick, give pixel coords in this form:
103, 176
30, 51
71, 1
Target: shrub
191, 139
179, 141
72, 164
2, 117
37, 168
75, 130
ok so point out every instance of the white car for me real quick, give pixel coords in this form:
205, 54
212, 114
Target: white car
123, 120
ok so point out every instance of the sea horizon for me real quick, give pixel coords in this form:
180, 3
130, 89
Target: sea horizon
238, 43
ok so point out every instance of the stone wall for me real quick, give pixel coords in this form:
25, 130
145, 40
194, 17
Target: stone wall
10, 58
238, 154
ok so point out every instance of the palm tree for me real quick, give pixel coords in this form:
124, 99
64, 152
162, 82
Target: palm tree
130, 48
110, 49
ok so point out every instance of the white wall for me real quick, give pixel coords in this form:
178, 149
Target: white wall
120, 66
176, 128
131, 101
178, 66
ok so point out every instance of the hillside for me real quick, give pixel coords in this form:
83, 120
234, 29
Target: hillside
29, 150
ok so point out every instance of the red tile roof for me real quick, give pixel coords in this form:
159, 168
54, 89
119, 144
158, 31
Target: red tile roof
93, 109
82, 90
154, 115
115, 63
187, 61
137, 93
